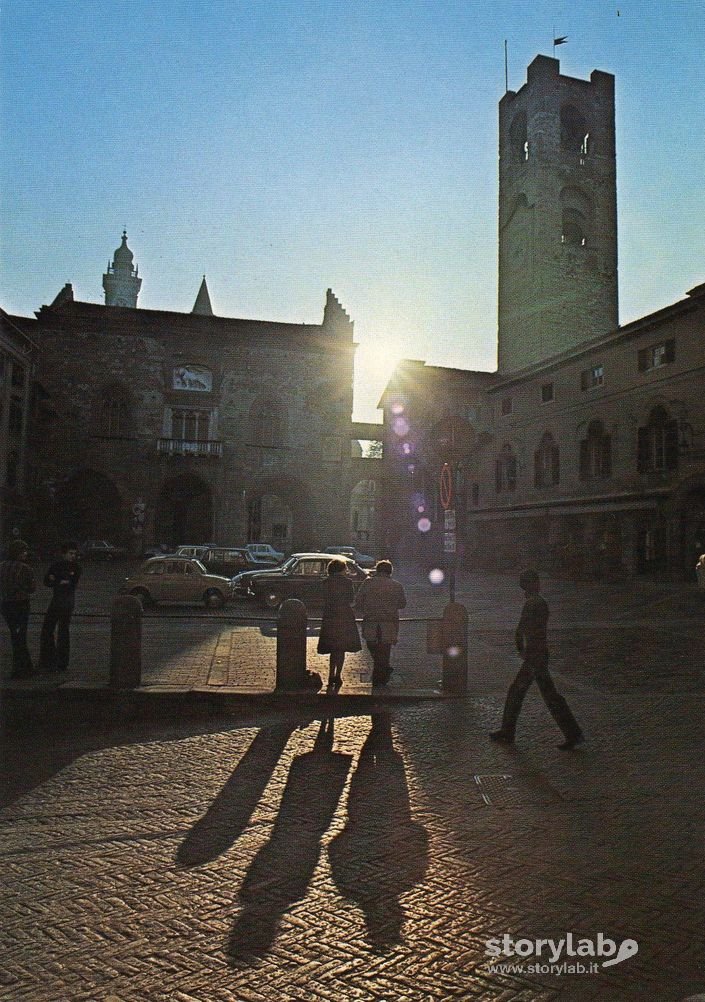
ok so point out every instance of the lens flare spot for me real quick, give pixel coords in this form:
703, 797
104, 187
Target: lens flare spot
406, 448
424, 524
421, 509
397, 408
453, 652
436, 576
400, 426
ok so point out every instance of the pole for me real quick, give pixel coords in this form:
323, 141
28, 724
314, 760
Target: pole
506, 71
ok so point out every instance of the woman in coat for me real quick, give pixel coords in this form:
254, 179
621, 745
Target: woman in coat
338, 628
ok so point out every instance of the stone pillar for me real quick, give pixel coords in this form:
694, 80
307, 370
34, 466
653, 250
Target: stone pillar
291, 645
454, 629
126, 643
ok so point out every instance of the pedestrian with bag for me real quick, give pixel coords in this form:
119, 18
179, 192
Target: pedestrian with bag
16, 586
62, 577
532, 644
338, 627
378, 601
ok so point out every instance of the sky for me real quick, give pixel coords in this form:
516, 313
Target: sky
285, 148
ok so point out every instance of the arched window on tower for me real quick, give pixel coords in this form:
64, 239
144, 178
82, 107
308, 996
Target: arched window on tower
575, 137
267, 424
576, 216
518, 140
595, 453
546, 462
658, 443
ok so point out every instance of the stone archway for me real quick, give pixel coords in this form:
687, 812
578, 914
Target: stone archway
184, 511
363, 504
88, 506
279, 511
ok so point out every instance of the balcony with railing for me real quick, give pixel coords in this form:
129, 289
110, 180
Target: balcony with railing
188, 447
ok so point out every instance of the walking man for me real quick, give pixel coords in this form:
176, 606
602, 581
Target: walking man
378, 601
16, 586
62, 577
532, 644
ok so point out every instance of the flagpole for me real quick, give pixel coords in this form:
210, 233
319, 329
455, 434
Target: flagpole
506, 71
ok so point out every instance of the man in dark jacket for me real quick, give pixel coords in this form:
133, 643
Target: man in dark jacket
16, 586
532, 644
378, 601
62, 577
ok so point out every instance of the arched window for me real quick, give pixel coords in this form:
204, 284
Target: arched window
506, 470
574, 131
546, 462
518, 141
576, 216
115, 416
595, 453
267, 425
658, 443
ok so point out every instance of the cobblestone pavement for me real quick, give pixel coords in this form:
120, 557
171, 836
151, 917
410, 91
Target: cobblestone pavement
371, 857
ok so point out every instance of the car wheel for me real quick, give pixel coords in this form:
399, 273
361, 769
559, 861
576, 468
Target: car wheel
145, 598
213, 599
272, 599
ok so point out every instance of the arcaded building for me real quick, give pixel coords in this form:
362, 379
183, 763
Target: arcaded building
173, 428
584, 453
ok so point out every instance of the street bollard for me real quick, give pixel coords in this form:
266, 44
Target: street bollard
454, 628
291, 645
126, 642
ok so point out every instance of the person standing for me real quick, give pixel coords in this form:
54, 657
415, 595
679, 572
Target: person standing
62, 577
16, 586
338, 628
532, 644
378, 601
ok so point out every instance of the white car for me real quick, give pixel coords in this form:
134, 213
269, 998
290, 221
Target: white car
264, 552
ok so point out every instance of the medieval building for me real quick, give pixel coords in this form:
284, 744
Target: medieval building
187, 428
584, 452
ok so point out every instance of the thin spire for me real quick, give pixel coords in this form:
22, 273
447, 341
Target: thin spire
202, 306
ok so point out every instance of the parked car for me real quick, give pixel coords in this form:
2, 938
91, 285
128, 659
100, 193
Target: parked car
227, 560
159, 550
178, 579
363, 560
192, 551
100, 549
301, 576
265, 553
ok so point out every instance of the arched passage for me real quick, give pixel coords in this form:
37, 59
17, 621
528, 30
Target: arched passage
184, 511
280, 512
88, 506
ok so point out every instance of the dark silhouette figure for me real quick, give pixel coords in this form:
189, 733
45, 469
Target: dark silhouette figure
382, 852
16, 586
282, 870
62, 577
378, 601
338, 628
228, 816
532, 644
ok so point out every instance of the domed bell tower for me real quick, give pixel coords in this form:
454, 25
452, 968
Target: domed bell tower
557, 214
121, 282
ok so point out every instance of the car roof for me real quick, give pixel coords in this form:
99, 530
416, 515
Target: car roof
323, 555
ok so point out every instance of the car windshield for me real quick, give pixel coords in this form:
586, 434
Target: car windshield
287, 564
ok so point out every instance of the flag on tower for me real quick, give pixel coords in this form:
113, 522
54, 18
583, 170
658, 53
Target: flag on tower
560, 41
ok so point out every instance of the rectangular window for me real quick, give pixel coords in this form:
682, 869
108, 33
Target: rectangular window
590, 378
506, 406
546, 393
657, 355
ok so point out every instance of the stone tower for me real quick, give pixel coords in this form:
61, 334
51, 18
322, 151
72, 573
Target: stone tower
120, 282
557, 214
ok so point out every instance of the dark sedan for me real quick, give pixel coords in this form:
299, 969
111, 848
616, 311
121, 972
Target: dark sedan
301, 576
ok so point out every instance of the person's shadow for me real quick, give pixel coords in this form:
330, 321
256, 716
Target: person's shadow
228, 816
381, 853
282, 870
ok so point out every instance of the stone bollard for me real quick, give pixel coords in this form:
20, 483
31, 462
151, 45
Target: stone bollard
125, 642
454, 627
291, 645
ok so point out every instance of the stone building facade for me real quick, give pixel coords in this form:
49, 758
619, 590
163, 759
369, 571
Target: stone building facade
17, 400
585, 452
188, 428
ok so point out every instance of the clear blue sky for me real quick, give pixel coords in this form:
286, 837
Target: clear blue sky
282, 148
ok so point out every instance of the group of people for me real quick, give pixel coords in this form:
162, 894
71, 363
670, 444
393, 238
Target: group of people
17, 584
378, 602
